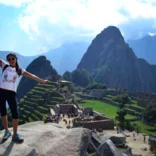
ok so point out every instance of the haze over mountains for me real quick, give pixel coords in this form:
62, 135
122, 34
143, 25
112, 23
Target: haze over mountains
62, 59
67, 56
145, 48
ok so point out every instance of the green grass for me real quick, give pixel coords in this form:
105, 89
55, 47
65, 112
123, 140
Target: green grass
110, 111
145, 128
104, 108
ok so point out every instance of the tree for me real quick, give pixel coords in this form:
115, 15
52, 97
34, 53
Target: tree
124, 98
121, 116
96, 86
67, 76
81, 77
149, 114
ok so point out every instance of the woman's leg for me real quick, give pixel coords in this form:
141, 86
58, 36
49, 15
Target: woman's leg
15, 125
3, 110
12, 102
5, 122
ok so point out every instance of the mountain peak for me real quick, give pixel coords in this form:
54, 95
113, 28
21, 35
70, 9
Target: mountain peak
112, 33
112, 30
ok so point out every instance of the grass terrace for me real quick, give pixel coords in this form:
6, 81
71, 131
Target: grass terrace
32, 107
104, 108
110, 111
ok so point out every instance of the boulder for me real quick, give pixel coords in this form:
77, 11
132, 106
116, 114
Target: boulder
108, 149
96, 141
128, 151
92, 148
48, 140
117, 139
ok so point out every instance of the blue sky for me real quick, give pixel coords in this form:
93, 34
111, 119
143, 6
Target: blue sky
31, 27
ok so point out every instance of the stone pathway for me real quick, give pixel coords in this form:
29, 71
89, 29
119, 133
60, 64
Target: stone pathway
138, 144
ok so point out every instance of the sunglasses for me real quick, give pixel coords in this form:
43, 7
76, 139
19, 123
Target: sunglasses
9, 59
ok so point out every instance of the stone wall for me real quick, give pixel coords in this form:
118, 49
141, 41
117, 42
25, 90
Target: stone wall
66, 109
103, 124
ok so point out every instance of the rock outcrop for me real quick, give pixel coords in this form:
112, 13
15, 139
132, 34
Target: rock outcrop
108, 149
51, 139
117, 139
48, 140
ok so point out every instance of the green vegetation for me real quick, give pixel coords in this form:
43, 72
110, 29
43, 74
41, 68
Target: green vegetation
104, 108
149, 114
123, 98
32, 106
145, 128
67, 76
110, 111
120, 117
96, 86
79, 77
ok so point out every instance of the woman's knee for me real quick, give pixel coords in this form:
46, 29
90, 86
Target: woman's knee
3, 113
15, 115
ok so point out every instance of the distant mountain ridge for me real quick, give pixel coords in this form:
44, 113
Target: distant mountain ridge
67, 56
62, 59
145, 48
110, 60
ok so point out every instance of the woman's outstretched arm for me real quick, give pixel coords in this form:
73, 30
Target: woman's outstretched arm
32, 76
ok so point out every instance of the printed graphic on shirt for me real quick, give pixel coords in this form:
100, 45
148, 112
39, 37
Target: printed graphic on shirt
13, 80
10, 76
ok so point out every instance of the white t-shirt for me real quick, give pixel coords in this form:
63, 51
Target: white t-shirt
9, 79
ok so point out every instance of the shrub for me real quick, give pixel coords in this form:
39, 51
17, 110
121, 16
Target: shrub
96, 86
124, 98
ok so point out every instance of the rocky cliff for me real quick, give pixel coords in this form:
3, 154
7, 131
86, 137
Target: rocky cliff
110, 60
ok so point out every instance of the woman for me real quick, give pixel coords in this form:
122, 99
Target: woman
8, 86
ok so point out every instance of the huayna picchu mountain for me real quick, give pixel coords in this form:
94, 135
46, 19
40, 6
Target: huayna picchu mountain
110, 60
40, 67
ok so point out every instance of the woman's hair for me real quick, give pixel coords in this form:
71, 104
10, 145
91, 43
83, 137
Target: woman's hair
18, 69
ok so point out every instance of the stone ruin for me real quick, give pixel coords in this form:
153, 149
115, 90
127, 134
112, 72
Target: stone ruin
60, 110
66, 109
95, 121
86, 117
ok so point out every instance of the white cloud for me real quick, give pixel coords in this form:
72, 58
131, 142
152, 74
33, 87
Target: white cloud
15, 3
53, 22
152, 34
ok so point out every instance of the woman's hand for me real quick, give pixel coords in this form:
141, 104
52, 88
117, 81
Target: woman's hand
45, 81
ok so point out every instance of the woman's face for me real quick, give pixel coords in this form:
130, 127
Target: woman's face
12, 60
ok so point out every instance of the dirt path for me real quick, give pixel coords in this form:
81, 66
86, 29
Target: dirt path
137, 144
62, 123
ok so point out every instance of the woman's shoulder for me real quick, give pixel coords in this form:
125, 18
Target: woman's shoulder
2, 63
